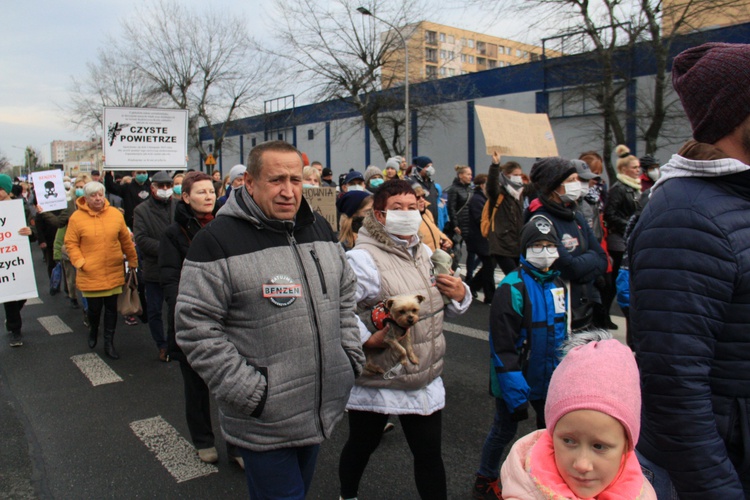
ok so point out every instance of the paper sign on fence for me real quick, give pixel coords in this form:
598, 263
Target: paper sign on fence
49, 190
17, 280
511, 133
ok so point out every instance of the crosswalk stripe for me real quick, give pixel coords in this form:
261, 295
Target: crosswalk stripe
172, 450
465, 330
54, 325
34, 302
95, 369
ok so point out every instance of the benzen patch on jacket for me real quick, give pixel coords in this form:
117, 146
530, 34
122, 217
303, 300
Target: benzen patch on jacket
569, 242
282, 291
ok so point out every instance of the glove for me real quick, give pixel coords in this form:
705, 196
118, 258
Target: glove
521, 413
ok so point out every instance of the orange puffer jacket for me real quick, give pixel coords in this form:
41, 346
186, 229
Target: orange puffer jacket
96, 242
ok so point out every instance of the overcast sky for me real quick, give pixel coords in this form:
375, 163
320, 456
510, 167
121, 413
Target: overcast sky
43, 43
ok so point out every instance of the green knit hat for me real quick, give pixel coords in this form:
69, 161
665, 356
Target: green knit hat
6, 184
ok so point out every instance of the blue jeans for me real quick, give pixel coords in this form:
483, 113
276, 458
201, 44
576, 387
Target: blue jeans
503, 431
285, 473
154, 301
658, 477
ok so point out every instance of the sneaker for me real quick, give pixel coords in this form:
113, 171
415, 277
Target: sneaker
388, 427
86, 319
208, 455
240, 461
16, 339
163, 356
74, 303
131, 321
486, 488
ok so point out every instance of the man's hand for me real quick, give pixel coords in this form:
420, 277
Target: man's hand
39, 209
26, 231
495, 158
451, 286
42, 245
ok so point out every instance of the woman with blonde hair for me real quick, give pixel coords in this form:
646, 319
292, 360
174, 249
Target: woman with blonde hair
431, 235
310, 177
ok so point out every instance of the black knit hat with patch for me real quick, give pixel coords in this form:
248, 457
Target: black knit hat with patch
548, 173
539, 228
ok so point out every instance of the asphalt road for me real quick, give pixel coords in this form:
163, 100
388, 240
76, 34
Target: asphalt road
64, 437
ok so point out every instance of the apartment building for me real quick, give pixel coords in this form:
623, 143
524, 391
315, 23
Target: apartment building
62, 151
439, 51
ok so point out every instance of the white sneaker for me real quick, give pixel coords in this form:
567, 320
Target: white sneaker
208, 455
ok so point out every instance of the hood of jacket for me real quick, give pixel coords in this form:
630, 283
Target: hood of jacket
241, 205
696, 159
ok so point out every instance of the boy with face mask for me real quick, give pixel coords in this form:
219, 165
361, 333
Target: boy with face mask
528, 323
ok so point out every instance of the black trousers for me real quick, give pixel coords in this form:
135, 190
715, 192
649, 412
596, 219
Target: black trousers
13, 315
507, 264
485, 278
423, 435
197, 407
110, 312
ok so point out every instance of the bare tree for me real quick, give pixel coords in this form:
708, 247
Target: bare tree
171, 56
607, 30
342, 54
5, 164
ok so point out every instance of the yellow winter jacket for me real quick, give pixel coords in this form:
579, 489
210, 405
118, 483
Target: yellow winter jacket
96, 242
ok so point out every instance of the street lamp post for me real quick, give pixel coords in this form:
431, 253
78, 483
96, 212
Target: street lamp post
366, 12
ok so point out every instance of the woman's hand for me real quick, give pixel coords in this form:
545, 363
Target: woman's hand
376, 340
24, 231
446, 244
451, 286
39, 209
495, 158
457, 230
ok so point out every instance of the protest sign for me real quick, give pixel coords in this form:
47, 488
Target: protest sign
17, 280
49, 189
323, 201
145, 138
511, 133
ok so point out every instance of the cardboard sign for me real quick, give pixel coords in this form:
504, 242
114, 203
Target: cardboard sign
49, 189
511, 133
145, 138
17, 280
323, 201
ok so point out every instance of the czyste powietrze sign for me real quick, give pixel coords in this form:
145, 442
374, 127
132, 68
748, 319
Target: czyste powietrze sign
17, 281
145, 138
49, 190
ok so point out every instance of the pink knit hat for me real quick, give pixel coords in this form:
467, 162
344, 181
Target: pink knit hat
600, 376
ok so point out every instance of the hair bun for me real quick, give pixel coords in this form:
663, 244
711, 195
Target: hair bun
622, 151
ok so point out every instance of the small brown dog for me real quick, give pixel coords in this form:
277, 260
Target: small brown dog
400, 313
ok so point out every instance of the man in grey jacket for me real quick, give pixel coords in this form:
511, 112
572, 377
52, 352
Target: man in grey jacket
265, 315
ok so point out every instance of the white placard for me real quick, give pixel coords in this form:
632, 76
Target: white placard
510, 133
49, 189
145, 138
17, 280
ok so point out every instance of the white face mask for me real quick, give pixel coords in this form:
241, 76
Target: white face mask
403, 222
543, 260
429, 171
516, 179
66, 184
356, 187
654, 174
164, 194
572, 192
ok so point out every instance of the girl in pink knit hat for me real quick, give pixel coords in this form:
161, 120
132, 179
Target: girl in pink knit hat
593, 420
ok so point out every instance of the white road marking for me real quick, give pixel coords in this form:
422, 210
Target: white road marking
172, 450
34, 302
95, 369
54, 325
466, 331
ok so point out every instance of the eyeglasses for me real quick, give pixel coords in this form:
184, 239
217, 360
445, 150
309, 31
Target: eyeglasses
420, 197
538, 249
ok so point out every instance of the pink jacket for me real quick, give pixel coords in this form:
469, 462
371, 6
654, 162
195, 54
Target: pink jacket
523, 479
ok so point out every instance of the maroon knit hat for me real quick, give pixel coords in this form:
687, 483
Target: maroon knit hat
712, 82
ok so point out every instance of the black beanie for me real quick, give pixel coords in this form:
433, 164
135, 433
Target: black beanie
548, 173
712, 82
539, 228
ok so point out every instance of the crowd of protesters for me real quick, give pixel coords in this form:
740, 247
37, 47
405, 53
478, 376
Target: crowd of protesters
671, 239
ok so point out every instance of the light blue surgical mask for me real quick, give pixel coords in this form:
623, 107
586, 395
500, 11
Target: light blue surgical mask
376, 183
307, 186
79, 192
141, 178
177, 190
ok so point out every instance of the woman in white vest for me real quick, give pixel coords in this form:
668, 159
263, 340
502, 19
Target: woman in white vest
389, 259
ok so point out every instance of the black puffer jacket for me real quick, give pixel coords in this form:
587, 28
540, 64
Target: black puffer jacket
458, 205
132, 195
621, 205
173, 248
475, 242
151, 220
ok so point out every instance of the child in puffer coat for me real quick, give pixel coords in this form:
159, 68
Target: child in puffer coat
593, 416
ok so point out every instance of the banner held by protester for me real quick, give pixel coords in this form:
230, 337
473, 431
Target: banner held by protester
17, 280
